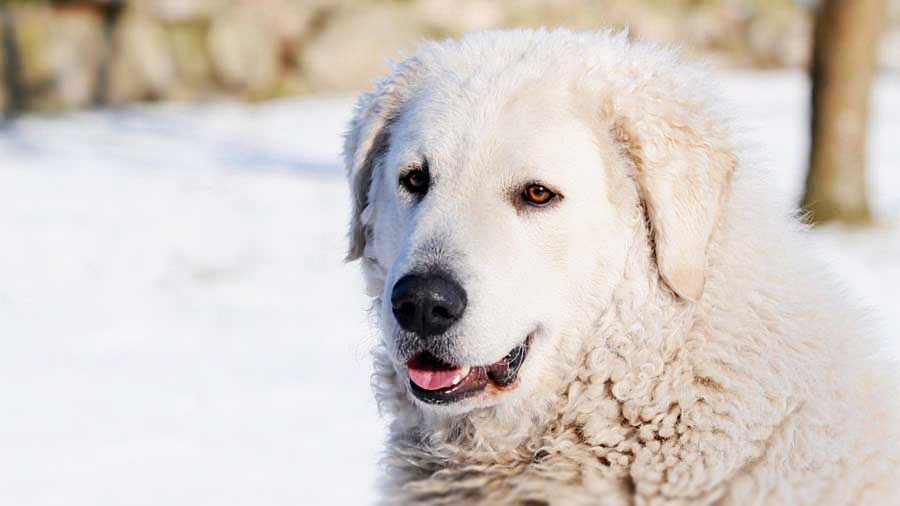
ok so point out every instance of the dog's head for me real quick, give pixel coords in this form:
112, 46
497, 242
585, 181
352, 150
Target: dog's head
499, 185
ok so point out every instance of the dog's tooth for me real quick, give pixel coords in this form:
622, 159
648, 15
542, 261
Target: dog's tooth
460, 375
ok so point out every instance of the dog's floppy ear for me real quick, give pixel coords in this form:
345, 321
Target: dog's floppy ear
366, 142
683, 165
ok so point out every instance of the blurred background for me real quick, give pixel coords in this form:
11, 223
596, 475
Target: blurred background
73, 54
176, 323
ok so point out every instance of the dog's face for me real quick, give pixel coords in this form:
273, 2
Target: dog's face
497, 236
496, 198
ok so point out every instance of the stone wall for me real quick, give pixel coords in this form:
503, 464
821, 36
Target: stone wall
81, 53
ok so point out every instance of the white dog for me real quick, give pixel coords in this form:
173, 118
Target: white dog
587, 298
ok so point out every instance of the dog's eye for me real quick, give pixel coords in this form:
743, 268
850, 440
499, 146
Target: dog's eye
538, 195
416, 180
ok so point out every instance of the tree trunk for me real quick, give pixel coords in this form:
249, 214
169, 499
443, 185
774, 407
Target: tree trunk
843, 67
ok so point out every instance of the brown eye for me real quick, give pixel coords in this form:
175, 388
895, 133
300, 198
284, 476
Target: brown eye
416, 180
537, 195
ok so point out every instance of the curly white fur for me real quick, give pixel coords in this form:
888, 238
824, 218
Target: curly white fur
763, 390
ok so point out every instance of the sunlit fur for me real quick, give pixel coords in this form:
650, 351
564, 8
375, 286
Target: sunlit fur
688, 349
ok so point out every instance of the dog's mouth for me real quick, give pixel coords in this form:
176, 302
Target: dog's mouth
433, 381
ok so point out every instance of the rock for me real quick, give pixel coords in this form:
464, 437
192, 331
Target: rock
181, 10
60, 52
461, 16
575, 14
143, 67
248, 44
75, 48
356, 43
243, 51
33, 24
796, 42
780, 41
187, 42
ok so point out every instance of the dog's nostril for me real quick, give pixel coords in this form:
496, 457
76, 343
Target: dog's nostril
427, 305
441, 312
407, 309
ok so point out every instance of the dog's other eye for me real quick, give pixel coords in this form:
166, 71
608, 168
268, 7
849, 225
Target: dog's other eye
538, 195
416, 180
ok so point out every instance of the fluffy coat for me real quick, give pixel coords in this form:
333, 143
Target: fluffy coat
726, 368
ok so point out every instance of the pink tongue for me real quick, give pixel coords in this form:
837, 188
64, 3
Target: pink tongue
427, 379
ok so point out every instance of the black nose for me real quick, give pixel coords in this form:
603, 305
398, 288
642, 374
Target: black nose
427, 305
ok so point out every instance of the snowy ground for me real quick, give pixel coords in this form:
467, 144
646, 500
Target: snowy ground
176, 325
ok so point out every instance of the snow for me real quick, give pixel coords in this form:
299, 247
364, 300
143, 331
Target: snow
176, 322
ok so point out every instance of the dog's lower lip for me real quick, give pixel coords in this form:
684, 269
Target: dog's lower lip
436, 382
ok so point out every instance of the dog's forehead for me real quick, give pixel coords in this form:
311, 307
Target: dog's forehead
532, 126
